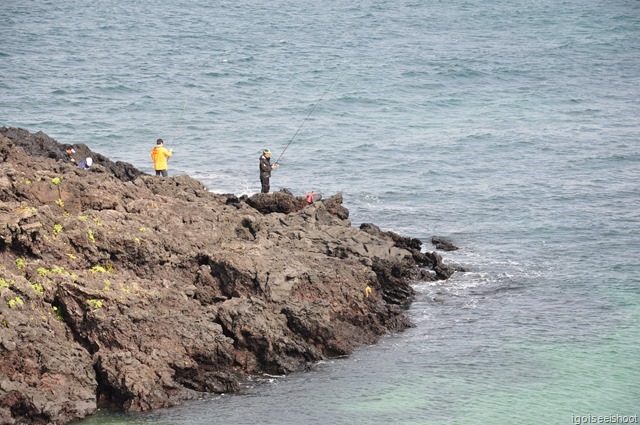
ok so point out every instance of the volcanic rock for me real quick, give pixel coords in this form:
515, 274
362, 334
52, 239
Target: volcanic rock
120, 288
443, 243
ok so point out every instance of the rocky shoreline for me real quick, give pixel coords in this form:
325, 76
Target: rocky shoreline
123, 289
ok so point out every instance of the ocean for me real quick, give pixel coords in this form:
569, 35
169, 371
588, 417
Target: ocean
510, 127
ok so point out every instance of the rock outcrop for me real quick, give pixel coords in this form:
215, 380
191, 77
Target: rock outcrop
125, 289
443, 243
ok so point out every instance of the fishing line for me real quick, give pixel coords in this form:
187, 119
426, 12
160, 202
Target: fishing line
305, 120
179, 121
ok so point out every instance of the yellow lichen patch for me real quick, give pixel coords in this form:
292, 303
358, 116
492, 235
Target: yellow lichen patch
5, 283
15, 302
97, 269
95, 304
37, 287
42, 271
20, 263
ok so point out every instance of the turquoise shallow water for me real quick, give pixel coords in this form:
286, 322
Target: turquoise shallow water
510, 127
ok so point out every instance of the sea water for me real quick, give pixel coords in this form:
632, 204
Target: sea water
510, 127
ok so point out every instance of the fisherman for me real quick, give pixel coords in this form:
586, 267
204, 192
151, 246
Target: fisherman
160, 154
68, 156
86, 164
265, 169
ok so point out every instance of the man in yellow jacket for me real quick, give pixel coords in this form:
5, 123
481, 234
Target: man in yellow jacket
160, 154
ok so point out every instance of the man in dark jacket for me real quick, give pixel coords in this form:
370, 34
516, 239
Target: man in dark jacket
265, 170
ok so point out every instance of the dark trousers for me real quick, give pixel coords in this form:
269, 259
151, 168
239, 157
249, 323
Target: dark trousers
265, 184
162, 173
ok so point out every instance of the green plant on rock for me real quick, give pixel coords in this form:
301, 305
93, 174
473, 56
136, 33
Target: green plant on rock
56, 180
57, 228
60, 202
107, 285
91, 237
95, 304
20, 263
15, 302
57, 312
4, 283
97, 269
37, 287
58, 270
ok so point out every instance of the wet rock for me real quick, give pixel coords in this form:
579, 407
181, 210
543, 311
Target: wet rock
443, 243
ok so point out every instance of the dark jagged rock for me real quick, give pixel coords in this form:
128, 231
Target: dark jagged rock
443, 243
277, 202
141, 292
334, 206
41, 145
411, 244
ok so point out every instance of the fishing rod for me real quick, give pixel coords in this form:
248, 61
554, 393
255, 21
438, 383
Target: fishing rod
305, 120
